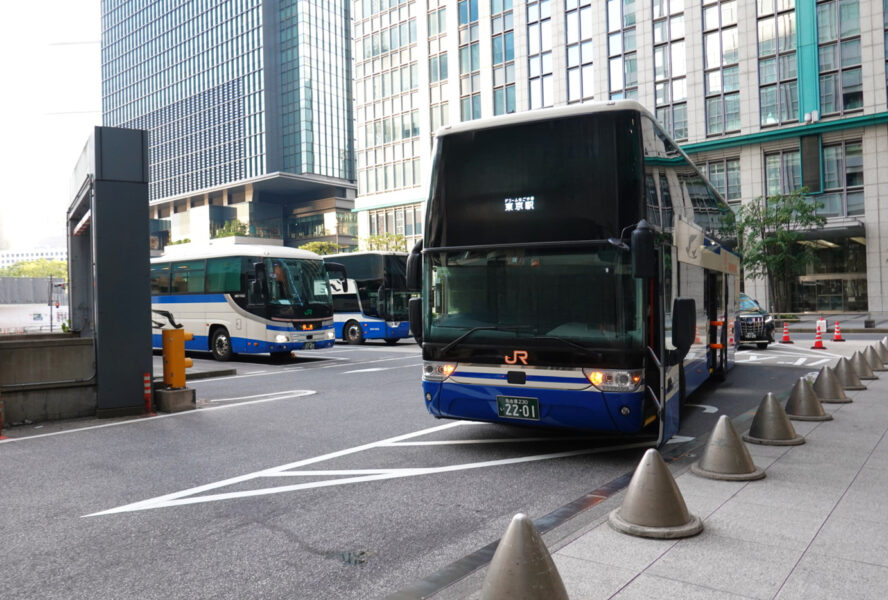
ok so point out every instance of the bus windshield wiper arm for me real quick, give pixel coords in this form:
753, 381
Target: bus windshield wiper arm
569, 343
482, 328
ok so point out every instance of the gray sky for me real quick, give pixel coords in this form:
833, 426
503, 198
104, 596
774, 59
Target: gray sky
51, 73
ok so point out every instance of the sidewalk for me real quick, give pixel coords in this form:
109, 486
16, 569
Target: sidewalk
815, 527
848, 322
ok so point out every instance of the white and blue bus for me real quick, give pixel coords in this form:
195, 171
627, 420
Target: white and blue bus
242, 299
374, 306
575, 273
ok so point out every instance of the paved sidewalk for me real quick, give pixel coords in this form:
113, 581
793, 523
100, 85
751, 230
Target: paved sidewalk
816, 527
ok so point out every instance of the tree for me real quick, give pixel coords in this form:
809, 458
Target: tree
321, 247
231, 228
769, 231
387, 241
37, 268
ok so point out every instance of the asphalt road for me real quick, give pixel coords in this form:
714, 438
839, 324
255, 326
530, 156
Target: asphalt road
320, 478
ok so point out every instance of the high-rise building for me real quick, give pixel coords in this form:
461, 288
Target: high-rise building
765, 95
249, 108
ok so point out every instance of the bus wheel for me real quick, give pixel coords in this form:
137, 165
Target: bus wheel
391, 341
221, 345
352, 333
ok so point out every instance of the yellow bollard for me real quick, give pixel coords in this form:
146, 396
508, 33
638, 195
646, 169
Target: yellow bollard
174, 360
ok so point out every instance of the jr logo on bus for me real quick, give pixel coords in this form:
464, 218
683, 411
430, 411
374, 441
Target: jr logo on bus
517, 355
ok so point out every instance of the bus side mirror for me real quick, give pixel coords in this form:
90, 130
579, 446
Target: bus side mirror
644, 255
333, 267
414, 268
684, 324
414, 309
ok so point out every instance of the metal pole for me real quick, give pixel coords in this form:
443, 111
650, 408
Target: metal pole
51, 288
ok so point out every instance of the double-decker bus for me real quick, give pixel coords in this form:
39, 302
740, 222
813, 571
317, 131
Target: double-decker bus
242, 299
575, 273
374, 306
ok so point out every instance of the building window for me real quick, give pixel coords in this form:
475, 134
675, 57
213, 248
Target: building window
469, 61
838, 38
724, 175
438, 67
783, 172
778, 71
670, 67
722, 71
622, 59
842, 179
580, 72
503, 43
539, 53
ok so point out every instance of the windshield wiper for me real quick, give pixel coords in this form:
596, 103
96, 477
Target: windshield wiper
570, 343
482, 328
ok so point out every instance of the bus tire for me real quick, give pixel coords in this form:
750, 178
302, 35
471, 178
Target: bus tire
220, 344
391, 341
352, 333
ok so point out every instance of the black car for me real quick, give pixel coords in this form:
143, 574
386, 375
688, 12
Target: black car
755, 325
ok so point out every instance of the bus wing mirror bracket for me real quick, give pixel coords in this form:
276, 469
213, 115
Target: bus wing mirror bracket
338, 268
684, 322
414, 309
644, 255
414, 268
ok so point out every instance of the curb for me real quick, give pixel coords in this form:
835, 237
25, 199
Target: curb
200, 375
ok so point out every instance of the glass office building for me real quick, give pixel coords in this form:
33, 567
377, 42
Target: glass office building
766, 96
249, 108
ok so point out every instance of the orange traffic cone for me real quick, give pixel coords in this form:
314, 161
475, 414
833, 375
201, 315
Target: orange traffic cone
786, 339
697, 339
837, 336
818, 342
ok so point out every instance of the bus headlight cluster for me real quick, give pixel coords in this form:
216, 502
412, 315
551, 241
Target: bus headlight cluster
280, 339
608, 380
437, 371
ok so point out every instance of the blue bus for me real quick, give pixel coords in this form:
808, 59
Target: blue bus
374, 305
575, 271
243, 299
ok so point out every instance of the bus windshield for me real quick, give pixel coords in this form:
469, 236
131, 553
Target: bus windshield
588, 298
298, 288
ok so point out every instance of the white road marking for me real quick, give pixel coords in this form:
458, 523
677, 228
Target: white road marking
679, 439
202, 409
706, 407
381, 368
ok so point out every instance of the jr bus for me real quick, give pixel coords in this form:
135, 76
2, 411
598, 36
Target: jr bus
242, 299
375, 303
575, 273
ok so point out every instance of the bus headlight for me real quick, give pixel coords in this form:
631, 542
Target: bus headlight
437, 371
608, 380
281, 339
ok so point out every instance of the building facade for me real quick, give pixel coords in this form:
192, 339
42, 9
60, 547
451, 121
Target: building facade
11, 257
249, 108
765, 95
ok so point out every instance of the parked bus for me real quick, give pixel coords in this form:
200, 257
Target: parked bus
575, 273
242, 299
375, 304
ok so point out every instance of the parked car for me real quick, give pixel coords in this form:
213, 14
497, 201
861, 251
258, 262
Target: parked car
755, 325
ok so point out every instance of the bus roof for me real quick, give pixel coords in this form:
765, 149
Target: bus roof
366, 253
543, 114
192, 251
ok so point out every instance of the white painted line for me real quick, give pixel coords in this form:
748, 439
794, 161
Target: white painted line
382, 368
819, 362
800, 362
706, 407
142, 420
679, 439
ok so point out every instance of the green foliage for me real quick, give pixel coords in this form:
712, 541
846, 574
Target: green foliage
37, 268
769, 231
182, 241
231, 228
393, 242
322, 247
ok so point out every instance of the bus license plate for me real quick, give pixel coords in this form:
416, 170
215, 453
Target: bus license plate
514, 407
308, 346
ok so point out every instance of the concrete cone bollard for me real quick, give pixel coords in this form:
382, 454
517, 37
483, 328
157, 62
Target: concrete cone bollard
653, 506
828, 388
847, 375
522, 568
771, 426
882, 349
725, 456
803, 403
861, 367
873, 359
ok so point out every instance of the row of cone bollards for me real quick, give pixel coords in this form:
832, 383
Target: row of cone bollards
653, 507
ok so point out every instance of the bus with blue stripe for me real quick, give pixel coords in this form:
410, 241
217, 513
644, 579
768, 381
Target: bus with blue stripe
576, 273
374, 304
242, 298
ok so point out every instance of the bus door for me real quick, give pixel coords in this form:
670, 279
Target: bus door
668, 376
717, 314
